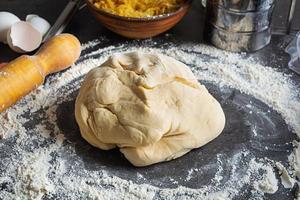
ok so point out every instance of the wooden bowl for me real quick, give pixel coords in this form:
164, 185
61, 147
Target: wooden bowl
139, 28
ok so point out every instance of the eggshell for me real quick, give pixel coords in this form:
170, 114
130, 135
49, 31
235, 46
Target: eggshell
38, 23
23, 37
6, 21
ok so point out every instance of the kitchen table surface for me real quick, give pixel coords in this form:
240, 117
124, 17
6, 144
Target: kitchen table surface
86, 28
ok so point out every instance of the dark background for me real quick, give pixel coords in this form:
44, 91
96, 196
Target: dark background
280, 17
87, 28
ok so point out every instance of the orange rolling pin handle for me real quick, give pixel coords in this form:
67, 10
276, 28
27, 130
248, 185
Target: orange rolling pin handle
24, 74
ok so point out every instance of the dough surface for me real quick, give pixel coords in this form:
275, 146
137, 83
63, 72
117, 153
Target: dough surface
149, 105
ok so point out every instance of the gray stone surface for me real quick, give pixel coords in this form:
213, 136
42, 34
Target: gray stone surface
236, 137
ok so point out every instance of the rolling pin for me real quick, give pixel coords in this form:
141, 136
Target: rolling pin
24, 74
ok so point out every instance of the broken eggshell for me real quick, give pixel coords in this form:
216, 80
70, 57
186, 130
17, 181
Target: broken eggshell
6, 21
38, 23
23, 37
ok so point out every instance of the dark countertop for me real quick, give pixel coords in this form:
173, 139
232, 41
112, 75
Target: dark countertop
86, 28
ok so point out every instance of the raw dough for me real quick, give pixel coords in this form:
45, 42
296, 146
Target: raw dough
149, 105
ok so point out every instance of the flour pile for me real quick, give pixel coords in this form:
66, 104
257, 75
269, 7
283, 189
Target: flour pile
39, 159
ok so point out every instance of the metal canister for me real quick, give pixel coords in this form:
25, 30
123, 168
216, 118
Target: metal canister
239, 25
243, 5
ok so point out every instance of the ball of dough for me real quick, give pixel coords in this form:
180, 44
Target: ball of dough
150, 106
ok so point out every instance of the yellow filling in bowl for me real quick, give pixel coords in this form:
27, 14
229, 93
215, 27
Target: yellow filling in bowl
138, 8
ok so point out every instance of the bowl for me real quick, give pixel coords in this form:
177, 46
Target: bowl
139, 28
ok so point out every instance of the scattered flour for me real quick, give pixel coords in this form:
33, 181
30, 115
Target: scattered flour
269, 182
32, 175
294, 159
286, 180
33, 172
190, 174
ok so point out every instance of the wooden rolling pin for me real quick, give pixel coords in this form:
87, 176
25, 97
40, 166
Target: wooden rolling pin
24, 74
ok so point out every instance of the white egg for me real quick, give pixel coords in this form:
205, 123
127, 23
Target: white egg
6, 20
39, 23
23, 37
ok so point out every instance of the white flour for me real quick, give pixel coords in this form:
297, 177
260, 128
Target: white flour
286, 180
36, 171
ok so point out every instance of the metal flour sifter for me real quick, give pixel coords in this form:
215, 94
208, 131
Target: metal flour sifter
239, 25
